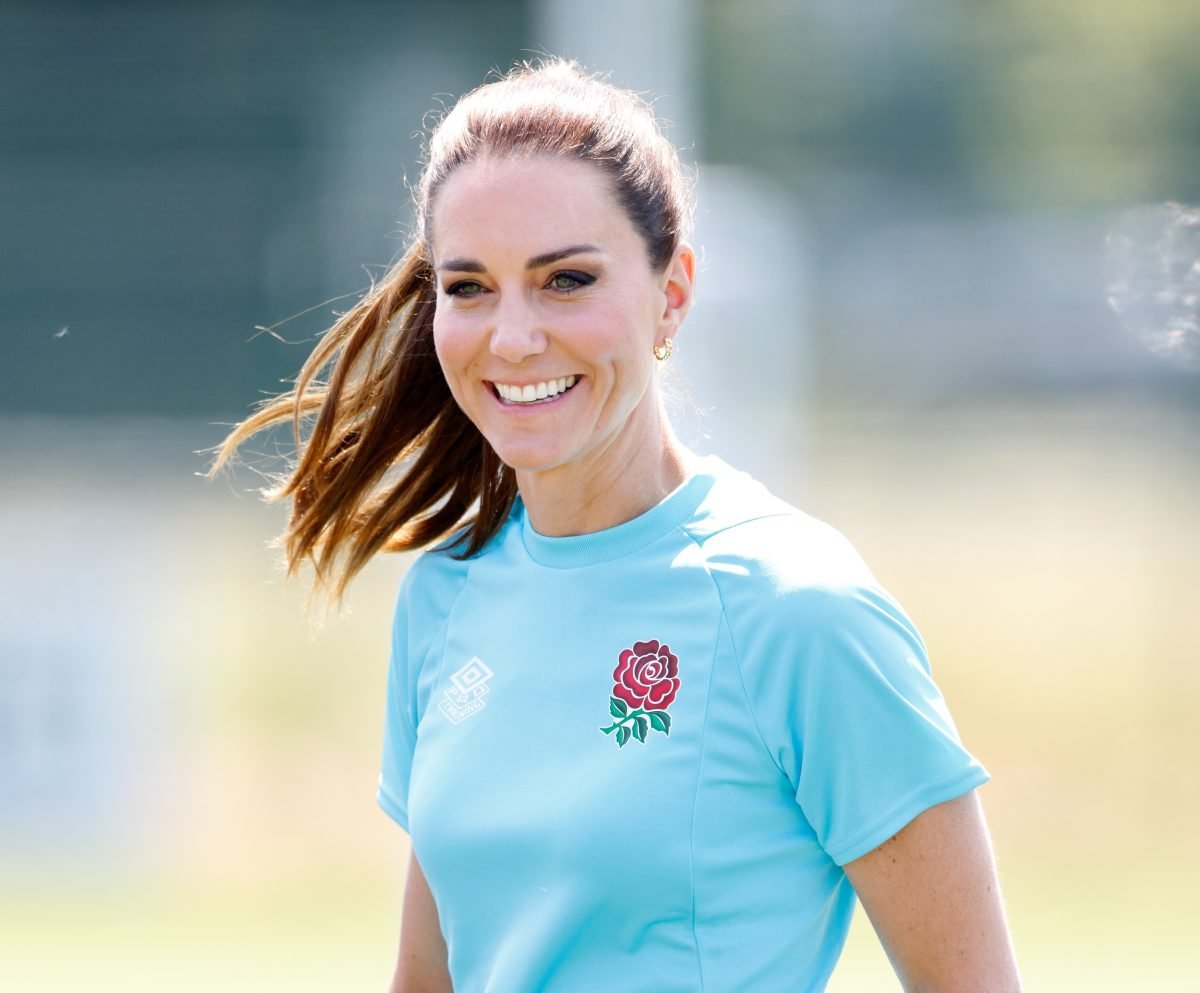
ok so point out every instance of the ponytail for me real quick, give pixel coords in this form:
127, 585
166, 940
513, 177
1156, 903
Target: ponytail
390, 463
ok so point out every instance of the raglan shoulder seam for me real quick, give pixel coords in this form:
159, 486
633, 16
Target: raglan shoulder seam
728, 624
700, 540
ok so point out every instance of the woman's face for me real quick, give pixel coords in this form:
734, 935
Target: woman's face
548, 311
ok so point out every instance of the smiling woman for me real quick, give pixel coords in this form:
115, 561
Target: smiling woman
645, 722
531, 316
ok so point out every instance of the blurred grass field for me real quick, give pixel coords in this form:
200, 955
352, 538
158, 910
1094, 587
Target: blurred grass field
1049, 553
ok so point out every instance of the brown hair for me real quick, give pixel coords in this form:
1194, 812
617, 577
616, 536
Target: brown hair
391, 463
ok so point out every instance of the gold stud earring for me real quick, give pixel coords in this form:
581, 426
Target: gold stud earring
663, 352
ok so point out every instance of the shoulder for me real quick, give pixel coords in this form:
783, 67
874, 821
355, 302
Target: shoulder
437, 575
781, 570
432, 577
749, 537
788, 552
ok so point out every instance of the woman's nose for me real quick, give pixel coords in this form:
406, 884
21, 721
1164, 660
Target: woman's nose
516, 335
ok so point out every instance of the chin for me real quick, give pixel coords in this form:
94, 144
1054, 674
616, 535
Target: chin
529, 463
529, 458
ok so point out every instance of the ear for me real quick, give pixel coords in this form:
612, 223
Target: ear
678, 285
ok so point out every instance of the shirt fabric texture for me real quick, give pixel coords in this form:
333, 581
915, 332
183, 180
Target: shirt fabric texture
591, 816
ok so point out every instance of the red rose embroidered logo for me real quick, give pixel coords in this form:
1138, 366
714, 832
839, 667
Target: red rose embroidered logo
646, 680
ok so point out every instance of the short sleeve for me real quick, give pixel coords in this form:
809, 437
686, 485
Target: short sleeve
400, 719
839, 683
875, 740
423, 605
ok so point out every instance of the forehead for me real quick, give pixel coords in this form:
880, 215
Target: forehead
527, 205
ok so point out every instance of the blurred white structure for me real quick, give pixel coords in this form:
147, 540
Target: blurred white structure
652, 48
744, 355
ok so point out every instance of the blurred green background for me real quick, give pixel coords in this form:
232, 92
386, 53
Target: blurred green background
926, 314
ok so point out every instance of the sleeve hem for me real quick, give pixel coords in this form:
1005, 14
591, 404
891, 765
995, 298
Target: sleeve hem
393, 808
904, 811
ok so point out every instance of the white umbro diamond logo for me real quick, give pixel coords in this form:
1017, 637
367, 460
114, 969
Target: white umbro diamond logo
465, 695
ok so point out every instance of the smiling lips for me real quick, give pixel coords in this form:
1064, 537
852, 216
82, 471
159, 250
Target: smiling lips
533, 392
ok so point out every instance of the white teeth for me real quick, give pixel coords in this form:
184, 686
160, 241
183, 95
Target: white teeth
534, 391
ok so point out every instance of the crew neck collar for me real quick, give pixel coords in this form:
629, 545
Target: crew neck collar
573, 551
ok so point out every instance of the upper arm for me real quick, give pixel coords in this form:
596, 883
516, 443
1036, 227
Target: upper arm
932, 895
421, 965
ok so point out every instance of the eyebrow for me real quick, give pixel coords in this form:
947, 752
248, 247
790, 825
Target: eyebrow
470, 265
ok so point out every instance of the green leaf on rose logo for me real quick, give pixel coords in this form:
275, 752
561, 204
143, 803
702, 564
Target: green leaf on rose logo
660, 720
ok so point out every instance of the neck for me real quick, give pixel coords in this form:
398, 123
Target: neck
608, 487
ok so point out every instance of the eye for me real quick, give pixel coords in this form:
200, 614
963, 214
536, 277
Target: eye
464, 288
567, 281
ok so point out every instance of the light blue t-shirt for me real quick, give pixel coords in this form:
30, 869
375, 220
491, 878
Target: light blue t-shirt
637, 759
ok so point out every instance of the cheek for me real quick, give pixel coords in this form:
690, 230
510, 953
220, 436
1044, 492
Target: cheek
455, 355
453, 342
619, 333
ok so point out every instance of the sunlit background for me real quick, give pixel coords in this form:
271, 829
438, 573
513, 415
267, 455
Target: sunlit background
949, 304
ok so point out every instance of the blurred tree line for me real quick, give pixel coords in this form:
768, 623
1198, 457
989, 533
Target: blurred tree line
985, 105
172, 176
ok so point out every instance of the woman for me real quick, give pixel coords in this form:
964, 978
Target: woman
647, 725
